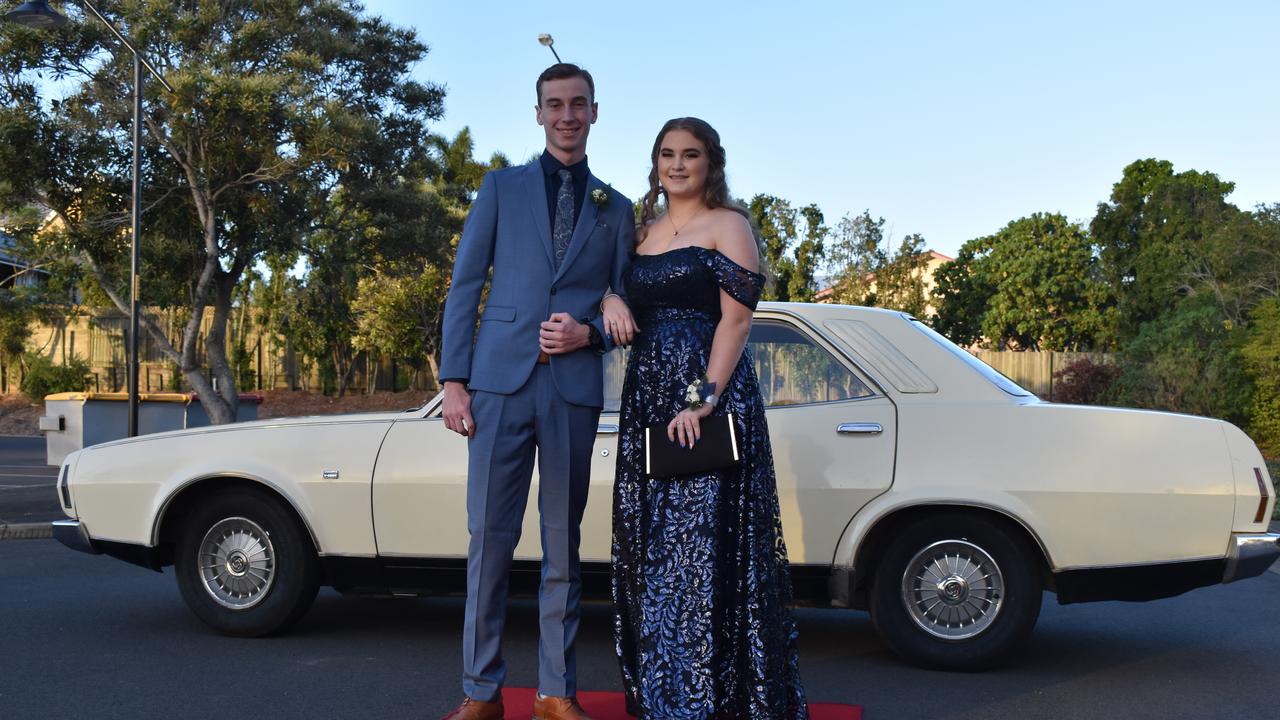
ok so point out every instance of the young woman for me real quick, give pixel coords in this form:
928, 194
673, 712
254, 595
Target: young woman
700, 579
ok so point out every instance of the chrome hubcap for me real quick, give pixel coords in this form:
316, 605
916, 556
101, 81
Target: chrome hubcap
237, 563
953, 589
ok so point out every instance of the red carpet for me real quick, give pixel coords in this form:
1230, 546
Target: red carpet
608, 706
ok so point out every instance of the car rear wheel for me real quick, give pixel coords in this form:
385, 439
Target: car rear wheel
245, 565
956, 592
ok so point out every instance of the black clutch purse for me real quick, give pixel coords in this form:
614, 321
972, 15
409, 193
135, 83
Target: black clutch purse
718, 448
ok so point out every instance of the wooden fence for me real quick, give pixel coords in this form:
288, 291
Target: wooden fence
99, 341
1034, 370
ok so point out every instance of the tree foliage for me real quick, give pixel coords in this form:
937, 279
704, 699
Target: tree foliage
1150, 233
1261, 354
775, 220
855, 257
864, 273
1188, 360
1034, 285
278, 109
398, 305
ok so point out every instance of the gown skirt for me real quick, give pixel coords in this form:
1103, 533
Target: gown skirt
700, 580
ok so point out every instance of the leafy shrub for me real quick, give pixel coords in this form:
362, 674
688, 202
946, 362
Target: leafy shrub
1262, 361
1084, 382
45, 378
1188, 361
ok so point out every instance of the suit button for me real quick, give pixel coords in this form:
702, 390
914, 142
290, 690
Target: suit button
553, 291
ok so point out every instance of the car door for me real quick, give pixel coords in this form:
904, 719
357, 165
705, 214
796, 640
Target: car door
420, 488
833, 434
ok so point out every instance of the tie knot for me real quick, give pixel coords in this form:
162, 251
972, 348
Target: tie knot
565, 175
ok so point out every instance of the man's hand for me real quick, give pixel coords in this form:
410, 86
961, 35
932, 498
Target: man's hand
562, 334
457, 409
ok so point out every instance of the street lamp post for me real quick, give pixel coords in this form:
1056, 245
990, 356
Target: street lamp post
550, 43
38, 14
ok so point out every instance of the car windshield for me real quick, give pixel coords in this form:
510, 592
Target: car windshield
991, 374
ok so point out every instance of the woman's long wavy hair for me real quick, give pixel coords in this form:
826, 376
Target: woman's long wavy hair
716, 191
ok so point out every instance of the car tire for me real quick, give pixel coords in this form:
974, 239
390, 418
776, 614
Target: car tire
956, 592
245, 564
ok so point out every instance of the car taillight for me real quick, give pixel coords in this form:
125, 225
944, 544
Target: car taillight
63, 489
1262, 490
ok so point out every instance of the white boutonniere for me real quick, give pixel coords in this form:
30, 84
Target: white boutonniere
600, 197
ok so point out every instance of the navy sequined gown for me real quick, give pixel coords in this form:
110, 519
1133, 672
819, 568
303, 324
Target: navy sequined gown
700, 578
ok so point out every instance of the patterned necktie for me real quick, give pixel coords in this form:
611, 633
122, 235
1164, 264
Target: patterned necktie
562, 226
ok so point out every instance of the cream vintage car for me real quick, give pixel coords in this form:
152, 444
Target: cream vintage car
915, 482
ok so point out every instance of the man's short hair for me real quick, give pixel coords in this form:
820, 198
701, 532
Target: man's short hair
564, 71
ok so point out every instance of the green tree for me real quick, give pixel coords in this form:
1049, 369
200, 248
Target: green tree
278, 108
1261, 354
399, 303
1034, 285
16, 318
854, 258
899, 283
1187, 360
775, 219
962, 291
1238, 264
1150, 232
1048, 294
809, 255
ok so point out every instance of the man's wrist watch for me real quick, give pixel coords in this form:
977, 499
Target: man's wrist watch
593, 336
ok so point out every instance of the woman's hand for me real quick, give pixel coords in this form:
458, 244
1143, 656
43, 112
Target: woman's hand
686, 428
618, 323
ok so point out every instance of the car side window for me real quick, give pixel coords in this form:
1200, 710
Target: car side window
793, 370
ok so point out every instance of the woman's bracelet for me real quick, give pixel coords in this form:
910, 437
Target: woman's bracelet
606, 297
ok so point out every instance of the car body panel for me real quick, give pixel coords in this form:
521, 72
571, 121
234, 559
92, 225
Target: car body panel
290, 457
1095, 487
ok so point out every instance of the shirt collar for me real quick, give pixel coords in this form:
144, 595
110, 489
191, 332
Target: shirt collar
551, 164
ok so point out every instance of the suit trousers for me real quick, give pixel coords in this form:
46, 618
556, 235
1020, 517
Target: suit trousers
510, 430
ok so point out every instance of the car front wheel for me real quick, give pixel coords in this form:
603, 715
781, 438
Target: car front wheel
956, 592
245, 565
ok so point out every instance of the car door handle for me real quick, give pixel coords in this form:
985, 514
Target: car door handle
859, 429
603, 429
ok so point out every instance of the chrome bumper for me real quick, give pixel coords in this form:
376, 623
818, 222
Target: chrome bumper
72, 534
1250, 555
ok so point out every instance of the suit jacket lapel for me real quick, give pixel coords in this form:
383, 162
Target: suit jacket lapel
586, 223
536, 185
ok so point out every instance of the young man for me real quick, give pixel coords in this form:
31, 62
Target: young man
557, 239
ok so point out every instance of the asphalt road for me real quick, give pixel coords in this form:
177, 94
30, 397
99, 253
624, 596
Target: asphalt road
91, 637
27, 485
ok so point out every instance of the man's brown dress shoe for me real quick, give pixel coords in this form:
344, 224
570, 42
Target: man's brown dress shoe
476, 710
558, 708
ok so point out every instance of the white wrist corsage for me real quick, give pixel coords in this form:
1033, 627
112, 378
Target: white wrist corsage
699, 393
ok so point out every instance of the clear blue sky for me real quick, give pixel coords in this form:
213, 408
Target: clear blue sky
948, 119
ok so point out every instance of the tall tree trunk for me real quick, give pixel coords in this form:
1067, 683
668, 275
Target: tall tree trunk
224, 407
435, 369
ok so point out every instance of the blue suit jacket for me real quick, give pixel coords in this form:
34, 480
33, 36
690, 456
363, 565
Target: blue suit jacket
509, 231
